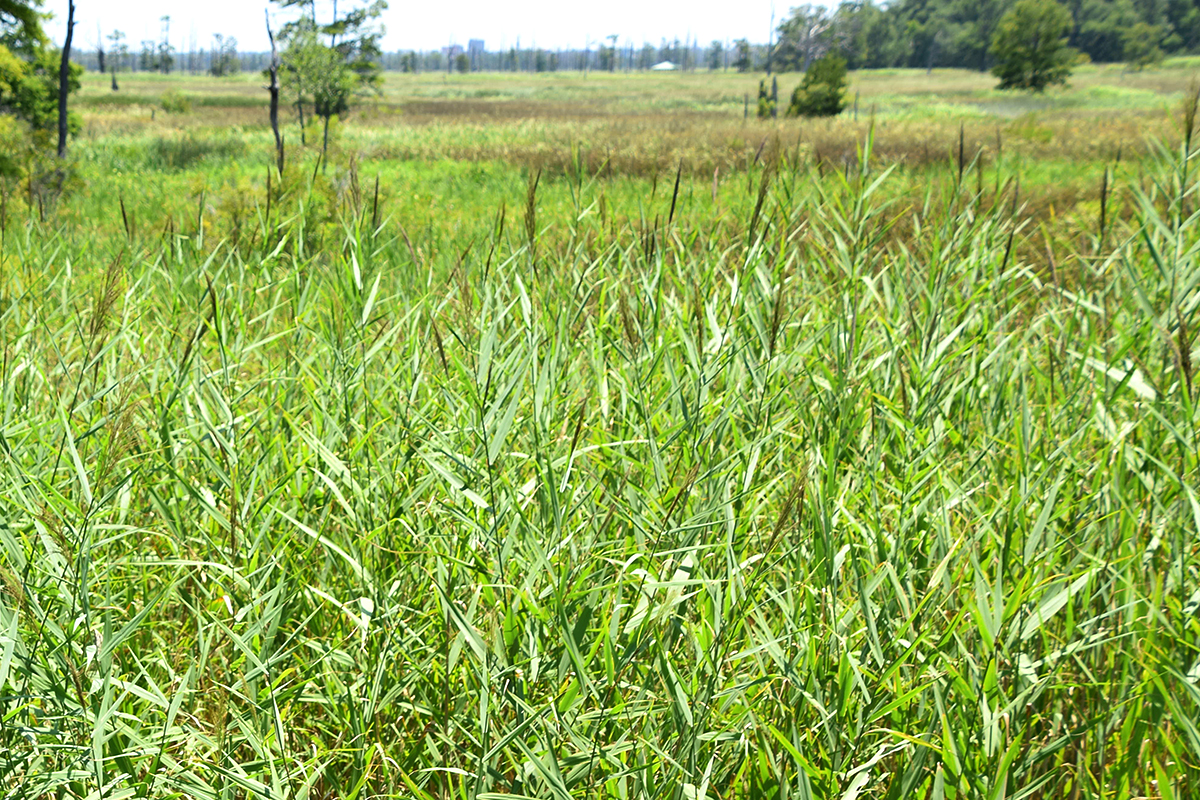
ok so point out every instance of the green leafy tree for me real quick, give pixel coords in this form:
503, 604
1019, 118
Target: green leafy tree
1141, 46
118, 54
224, 56
716, 54
648, 57
20, 23
327, 63
1101, 26
318, 74
166, 53
607, 56
612, 52
353, 31
1183, 19
147, 57
808, 34
870, 35
822, 93
742, 60
29, 86
765, 104
1030, 46
462, 63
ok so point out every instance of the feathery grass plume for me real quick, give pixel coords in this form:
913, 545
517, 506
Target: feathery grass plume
1191, 105
1184, 348
104, 301
125, 219
961, 153
675, 193
1104, 178
628, 325
764, 183
777, 312
531, 231
375, 206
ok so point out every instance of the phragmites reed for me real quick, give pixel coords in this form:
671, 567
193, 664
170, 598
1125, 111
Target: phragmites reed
962, 155
1191, 105
777, 312
628, 326
531, 209
1184, 347
104, 301
1104, 178
675, 192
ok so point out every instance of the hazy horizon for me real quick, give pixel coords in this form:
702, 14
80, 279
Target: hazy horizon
430, 26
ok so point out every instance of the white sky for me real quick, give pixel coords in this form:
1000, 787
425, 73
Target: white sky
428, 25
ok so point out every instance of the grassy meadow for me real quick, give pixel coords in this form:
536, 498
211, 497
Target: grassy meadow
565, 437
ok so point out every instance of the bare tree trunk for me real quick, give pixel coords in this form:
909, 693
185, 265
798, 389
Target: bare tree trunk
771, 39
64, 79
273, 88
300, 111
324, 143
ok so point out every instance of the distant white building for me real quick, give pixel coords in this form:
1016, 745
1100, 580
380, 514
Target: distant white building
664, 66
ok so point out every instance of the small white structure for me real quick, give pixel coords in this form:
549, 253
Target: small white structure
664, 66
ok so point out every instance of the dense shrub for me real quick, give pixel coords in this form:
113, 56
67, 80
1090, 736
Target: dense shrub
174, 102
822, 92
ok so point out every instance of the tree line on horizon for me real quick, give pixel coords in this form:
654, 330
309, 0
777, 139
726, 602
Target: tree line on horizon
868, 35
960, 33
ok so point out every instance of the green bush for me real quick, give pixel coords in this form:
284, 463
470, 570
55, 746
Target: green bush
822, 93
765, 104
174, 102
1030, 46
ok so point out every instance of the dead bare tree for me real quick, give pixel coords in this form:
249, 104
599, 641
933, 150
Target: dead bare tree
273, 88
64, 80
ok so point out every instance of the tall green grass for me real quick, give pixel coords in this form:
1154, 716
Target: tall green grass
845, 498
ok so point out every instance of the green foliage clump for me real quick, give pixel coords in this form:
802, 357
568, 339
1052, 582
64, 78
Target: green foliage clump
1030, 46
328, 75
29, 102
319, 75
175, 102
822, 93
766, 105
225, 58
742, 60
29, 85
1142, 46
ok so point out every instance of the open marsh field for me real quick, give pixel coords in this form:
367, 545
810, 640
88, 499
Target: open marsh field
577, 438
